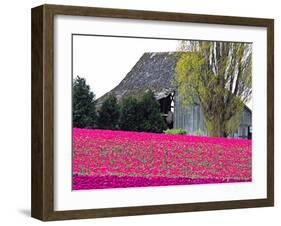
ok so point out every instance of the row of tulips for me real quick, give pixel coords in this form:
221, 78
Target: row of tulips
107, 159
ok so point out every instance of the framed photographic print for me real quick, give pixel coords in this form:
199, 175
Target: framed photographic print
141, 112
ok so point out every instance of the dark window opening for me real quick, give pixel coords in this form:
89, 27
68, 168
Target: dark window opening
166, 109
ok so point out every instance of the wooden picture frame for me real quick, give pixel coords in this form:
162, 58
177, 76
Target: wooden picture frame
42, 203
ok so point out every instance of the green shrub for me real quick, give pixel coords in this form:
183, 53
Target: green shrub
199, 133
151, 119
141, 114
108, 114
175, 131
130, 117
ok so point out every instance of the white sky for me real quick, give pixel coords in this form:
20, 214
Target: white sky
105, 61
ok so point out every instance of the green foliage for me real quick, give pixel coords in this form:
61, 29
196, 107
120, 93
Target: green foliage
233, 123
108, 114
199, 133
175, 131
130, 117
151, 119
218, 76
188, 84
141, 114
84, 111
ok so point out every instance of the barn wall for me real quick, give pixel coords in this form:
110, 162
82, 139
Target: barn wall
246, 118
246, 122
191, 119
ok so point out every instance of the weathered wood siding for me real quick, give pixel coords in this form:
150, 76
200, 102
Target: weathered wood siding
246, 122
191, 119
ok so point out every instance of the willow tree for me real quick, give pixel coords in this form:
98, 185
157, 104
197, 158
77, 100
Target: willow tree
218, 76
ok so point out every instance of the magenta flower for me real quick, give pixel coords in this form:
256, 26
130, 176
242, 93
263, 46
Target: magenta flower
109, 159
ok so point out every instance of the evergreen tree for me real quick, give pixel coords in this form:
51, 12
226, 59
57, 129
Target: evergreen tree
84, 111
130, 114
151, 119
108, 114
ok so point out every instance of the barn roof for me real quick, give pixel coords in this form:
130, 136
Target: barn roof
154, 71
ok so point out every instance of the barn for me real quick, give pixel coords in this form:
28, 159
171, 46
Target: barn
156, 71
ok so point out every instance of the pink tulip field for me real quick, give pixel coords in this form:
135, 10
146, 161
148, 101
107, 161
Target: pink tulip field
119, 159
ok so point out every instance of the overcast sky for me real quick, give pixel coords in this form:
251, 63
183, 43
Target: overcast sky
105, 61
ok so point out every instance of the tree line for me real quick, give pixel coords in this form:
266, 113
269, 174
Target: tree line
140, 114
